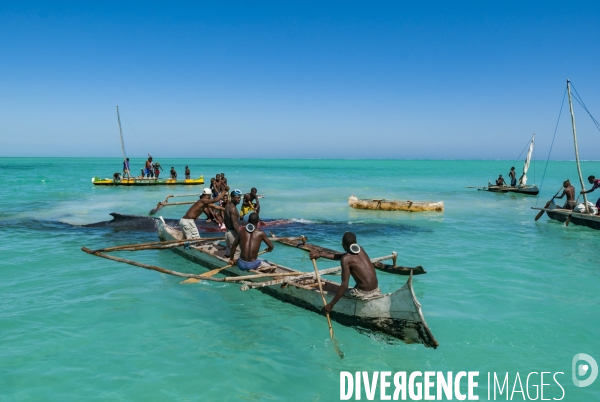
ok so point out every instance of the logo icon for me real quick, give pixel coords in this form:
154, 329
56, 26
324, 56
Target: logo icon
582, 369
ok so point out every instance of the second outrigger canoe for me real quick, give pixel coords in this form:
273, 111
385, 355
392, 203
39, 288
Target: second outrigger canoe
397, 314
396, 205
97, 181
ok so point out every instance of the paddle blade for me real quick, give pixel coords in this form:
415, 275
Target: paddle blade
539, 215
190, 280
568, 220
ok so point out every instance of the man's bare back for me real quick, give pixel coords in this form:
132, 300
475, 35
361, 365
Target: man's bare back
198, 208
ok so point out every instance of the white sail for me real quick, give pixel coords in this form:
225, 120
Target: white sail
527, 162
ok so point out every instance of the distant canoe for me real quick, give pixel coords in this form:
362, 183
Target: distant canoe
146, 182
397, 205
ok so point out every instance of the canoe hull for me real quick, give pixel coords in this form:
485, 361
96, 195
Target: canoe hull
527, 190
146, 182
558, 214
397, 314
396, 205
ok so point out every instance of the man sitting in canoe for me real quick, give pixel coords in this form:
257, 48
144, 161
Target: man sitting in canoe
596, 184
569, 191
356, 263
500, 181
231, 220
248, 204
249, 239
188, 226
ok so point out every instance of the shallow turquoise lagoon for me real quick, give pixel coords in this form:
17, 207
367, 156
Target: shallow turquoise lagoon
502, 294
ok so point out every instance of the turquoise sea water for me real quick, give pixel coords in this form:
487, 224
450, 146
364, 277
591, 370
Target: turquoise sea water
502, 294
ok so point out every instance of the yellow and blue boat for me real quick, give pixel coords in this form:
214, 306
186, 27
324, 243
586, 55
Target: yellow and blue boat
133, 181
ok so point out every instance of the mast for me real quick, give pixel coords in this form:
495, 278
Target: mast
121, 134
576, 149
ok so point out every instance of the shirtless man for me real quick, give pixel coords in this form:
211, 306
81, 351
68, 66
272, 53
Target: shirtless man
173, 173
157, 169
513, 177
148, 168
569, 191
188, 226
126, 172
231, 219
500, 181
596, 184
248, 205
187, 173
249, 239
356, 263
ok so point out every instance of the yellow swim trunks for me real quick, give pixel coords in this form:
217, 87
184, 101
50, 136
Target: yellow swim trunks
246, 209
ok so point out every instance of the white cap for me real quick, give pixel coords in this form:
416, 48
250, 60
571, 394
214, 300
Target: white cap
207, 191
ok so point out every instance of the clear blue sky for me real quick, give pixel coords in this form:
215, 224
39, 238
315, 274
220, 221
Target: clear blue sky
306, 79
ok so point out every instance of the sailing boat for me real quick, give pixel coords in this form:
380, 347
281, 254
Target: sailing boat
522, 187
586, 218
140, 181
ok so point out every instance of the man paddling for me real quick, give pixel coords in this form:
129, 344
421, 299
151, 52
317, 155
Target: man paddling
596, 184
356, 263
249, 239
569, 191
187, 223
251, 203
231, 220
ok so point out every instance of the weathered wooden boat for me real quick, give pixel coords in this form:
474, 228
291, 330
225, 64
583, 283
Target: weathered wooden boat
587, 218
301, 243
397, 314
526, 189
522, 187
396, 205
138, 181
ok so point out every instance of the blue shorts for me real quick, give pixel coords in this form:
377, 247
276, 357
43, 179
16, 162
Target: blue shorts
246, 266
148, 172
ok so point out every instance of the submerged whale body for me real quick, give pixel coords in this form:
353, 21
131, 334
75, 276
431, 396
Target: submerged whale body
147, 223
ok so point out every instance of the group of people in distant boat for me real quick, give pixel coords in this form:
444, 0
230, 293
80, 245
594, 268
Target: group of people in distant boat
513, 179
151, 170
569, 192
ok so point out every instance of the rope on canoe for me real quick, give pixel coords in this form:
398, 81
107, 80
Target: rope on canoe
551, 145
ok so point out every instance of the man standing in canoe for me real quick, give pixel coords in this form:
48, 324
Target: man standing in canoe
596, 184
249, 205
513, 177
126, 172
187, 223
173, 173
148, 167
187, 173
569, 191
356, 263
231, 219
249, 239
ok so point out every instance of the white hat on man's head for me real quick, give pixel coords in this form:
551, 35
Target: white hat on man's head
207, 191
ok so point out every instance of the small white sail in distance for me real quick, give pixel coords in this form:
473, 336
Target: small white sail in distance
527, 162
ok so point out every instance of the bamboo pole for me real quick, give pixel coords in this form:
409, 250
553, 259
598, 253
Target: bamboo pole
157, 244
337, 349
576, 148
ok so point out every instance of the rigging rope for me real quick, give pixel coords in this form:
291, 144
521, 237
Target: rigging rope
519, 157
551, 145
580, 101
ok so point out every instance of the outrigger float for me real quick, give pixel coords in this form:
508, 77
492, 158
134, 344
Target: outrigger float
397, 314
396, 205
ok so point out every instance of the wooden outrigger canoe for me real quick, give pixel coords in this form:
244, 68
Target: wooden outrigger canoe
527, 190
301, 243
566, 215
97, 181
397, 314
396, 205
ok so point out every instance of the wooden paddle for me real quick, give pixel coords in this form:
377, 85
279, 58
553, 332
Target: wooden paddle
335, 344
213, 272
539, 215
